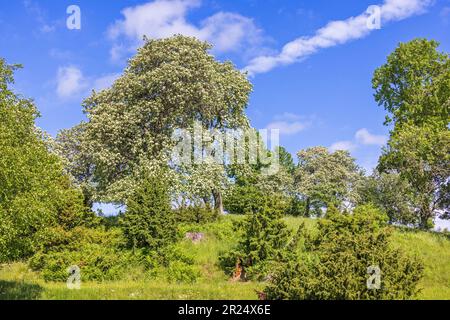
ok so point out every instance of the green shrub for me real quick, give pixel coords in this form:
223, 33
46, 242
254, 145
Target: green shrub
335, 263
196, 214
262, 235
97, 252
179, 271
296, 207
149, 221
242, 199
171, 264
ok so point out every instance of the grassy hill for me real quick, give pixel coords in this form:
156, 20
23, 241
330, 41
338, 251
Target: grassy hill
17, 282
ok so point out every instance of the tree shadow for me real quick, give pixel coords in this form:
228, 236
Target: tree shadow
16, 290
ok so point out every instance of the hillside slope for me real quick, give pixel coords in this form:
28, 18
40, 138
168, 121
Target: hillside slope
17, 282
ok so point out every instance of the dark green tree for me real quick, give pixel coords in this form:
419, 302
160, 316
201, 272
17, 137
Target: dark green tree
263, 237
149, 221
339, 261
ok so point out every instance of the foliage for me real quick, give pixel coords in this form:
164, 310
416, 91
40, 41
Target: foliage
34, 192
77, 161
149, 221
18, 282
391, 194
336, 261
324, 178
286, 160
97, 252
262, 238
172, 264
414, 84
414, 87
168, 85
196, 214
421, 155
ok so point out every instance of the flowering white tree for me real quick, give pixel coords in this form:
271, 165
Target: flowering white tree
170, 84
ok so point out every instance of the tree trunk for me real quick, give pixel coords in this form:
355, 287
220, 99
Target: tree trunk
307, 207
425, 215
218, 201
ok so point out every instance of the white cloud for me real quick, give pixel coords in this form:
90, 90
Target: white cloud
289, 123
364, 137
336, 33
70, 82
287, 128
105, 82
445, 14
39, 15
164, 18
343, 145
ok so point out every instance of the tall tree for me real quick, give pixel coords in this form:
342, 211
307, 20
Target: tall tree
390, 193
421, 155
169, 84
414, 87
34, 192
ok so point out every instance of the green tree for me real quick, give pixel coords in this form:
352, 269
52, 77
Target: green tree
421, 156
336, 262
286, 160
414, 84
34, 192
414, 87
324, 178
149, 221
296, 205
391, 194
263, 237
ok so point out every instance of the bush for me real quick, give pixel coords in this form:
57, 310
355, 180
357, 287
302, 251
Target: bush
149, 221
172, 264
102, 255
179, 271
196, 214
296, 207
336, 261
98, 253
262, 235
242, 199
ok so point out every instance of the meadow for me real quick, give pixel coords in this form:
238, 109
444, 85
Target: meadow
17, 282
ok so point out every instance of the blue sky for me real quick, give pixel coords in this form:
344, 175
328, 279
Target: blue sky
321, 97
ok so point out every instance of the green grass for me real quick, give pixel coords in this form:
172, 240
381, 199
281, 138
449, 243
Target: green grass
17, 282
434, 251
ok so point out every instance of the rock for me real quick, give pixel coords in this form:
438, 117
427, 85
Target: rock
195, 237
